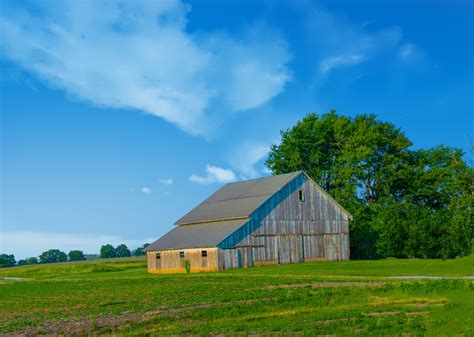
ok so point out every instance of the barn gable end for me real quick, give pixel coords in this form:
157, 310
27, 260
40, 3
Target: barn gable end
287, 230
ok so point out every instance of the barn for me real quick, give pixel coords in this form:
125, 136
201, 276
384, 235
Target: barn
285, 218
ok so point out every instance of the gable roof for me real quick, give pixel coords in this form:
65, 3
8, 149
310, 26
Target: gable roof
206, 234
237, 200
225, 211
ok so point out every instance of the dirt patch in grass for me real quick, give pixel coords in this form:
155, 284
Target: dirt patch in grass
416, 313
326, 285
381, 313
332, 321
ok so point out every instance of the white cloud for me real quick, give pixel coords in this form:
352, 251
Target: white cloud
246, 156
408, 52
214, 174
146, 190
139, 55
168, 181
340, 43
330, 63
30, 243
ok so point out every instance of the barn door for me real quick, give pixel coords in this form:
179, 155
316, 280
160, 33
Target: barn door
331, 243
290, 249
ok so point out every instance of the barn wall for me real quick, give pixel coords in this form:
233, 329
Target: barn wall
286, 230
170, 262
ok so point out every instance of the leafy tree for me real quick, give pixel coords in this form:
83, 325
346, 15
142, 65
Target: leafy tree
140, 250
76, 255
52, 256
405, 202
32, 260
107, 251
7, 260
122, 251
27, 261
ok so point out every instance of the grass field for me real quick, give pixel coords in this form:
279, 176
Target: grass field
320, 298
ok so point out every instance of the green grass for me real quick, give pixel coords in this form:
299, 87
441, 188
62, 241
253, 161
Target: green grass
342, 298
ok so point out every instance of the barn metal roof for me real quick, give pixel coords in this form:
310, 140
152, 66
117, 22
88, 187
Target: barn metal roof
208, 234
237, 200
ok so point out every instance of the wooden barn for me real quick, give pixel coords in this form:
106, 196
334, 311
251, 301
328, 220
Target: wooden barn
285, 218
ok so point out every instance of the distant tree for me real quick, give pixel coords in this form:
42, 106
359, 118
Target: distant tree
27, 261
107, 251
52, 256
122, 251
32, 260
140, 250
76, 255
7, 260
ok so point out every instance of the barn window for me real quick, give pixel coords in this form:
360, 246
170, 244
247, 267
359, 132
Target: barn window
203, 253
301, 195
181, 255
158, 256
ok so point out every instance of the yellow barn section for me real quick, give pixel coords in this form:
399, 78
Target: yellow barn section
173, 261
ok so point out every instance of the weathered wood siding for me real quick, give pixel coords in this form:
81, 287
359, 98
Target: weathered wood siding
170, 262
287, 230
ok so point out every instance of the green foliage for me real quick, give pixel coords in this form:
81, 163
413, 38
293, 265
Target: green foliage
76, 255
52, 256
405, 203
32, 260
7, 260
107, 251
122, 251
27, 261
187, 266
140, 250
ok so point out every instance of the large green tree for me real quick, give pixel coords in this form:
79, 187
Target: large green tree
405, 202
52, 256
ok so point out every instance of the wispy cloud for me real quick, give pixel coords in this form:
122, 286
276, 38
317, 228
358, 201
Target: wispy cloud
408, 52
246, 156
32, 243
342, 43
139, 55
168, 181
147, 190
214, 174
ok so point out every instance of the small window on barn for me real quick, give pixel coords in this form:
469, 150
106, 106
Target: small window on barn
181, 255
203, 253
158, 256
301, 195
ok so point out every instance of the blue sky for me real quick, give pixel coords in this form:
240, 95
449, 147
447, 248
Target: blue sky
119, 117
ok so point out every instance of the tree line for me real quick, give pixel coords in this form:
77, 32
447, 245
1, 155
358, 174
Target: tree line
406, 201
56, 255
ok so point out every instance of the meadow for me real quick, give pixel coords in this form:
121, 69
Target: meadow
119, 297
